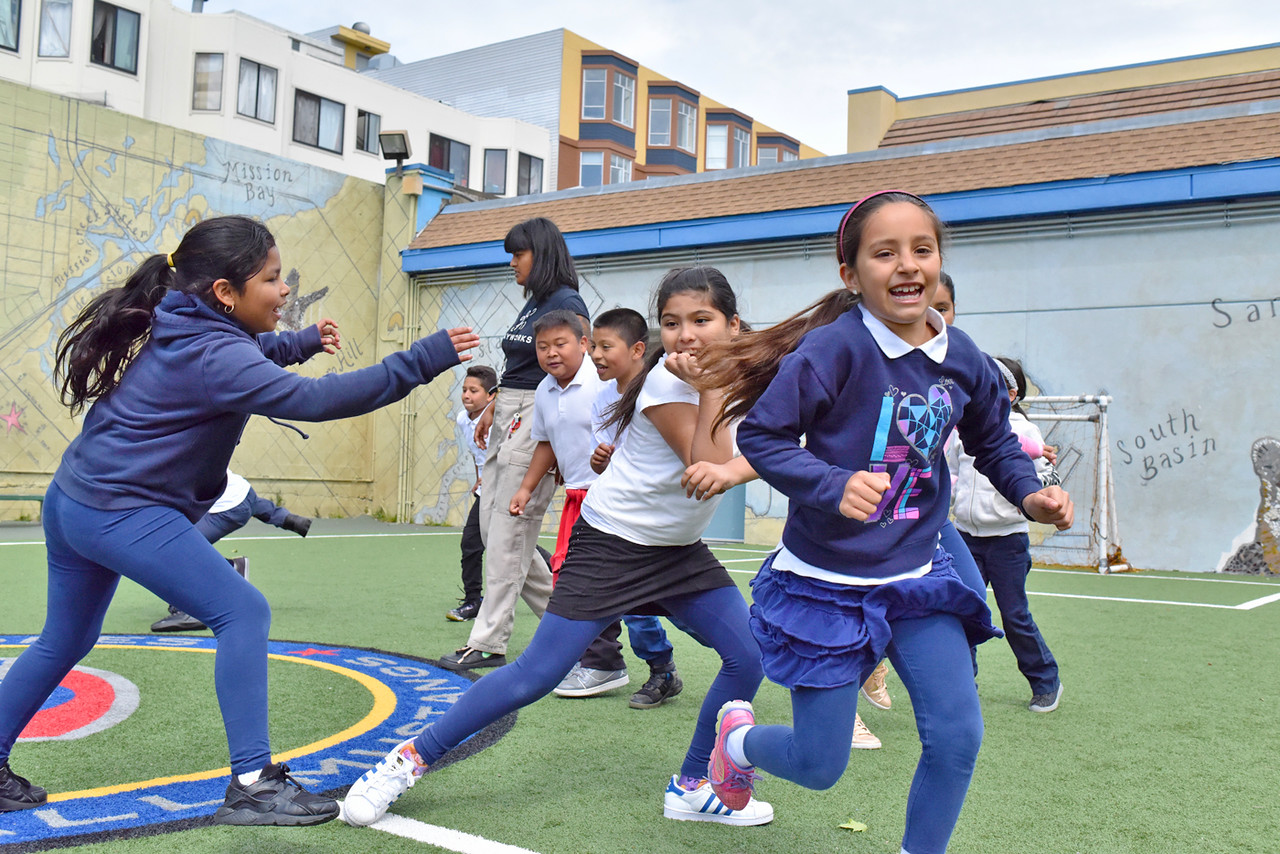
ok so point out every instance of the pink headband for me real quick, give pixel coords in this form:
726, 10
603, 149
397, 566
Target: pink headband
858, 204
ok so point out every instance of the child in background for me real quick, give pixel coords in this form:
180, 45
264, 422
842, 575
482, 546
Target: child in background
479, 387
638, 546
619, 342
231, 512
872, 380
997, 537
173, 364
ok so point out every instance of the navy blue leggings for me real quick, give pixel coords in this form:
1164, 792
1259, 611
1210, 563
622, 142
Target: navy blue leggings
931, 656
720, 616
89, 550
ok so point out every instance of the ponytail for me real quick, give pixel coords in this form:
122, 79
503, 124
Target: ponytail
95, 349
744, 367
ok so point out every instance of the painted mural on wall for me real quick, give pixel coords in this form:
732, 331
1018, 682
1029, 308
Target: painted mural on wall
87, 193
1257, 550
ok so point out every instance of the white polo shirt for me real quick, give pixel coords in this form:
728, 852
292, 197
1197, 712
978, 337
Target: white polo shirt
562, 416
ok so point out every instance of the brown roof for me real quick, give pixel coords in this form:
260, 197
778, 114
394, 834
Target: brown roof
1119, 104
809, 184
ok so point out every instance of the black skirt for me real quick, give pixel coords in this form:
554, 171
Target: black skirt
607, 576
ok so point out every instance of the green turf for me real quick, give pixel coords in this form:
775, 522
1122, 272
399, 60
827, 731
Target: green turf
1165, 741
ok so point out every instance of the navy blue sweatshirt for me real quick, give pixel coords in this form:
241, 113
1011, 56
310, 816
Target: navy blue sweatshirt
862, 411
165, 434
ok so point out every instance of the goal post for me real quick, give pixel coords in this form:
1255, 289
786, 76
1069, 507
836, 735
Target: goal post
1077, 426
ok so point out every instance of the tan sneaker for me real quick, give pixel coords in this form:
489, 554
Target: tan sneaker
874, 691
863, 739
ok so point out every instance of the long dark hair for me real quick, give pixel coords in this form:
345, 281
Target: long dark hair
707, 281
96, 348
552, 265
745, 368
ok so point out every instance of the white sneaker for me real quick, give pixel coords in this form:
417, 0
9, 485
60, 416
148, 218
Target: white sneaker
588, 682
863, 738
701, 804
380, 787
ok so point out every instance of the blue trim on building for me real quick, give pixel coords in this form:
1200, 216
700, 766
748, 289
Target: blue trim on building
676, 91
772, 139
613, 61
607, 130
743, 121
671, 157
1082, 196
873, 89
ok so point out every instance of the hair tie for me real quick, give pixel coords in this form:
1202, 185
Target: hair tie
169, 258
858, 204
1009, 381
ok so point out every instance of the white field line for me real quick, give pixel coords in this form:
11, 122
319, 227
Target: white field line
1084, 573
443, 837
1257, 603
1139, 601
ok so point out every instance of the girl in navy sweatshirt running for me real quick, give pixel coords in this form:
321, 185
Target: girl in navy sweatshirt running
174, 363
872, 380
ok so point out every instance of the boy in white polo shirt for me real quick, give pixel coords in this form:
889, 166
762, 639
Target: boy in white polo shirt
562, 420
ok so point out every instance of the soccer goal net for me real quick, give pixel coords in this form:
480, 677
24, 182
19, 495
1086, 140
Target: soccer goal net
1077, 427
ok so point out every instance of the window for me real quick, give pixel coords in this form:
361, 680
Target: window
318, 121
766, 156
206, 92
451, 156
659, 121
624, 100
591, 168
619, 169
495, 171
10, 18
788, 154
55, 28
528, 175
594, 92
256, 97
717, 146
741, 147
687, 127
115, 37
367, 127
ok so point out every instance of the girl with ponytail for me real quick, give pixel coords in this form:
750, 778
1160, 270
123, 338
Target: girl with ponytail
171, 366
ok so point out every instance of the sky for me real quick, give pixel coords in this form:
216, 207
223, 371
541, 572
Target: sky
790, 65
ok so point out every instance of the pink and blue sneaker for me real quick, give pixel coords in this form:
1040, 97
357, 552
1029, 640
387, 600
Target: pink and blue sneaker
733, 785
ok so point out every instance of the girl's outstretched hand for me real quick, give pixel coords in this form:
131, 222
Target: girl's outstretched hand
463, 339
1051, 506
330, 340
862, 493
702, 480
683, 365
483, 423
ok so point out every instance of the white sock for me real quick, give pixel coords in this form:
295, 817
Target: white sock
250, 778
733, 746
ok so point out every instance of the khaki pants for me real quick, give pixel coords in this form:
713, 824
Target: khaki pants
512, 566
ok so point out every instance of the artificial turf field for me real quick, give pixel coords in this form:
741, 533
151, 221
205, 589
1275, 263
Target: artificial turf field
1167, 739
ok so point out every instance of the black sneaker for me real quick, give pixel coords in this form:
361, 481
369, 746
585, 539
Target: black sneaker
297, 524
462, 613
178, 621
240, 565
470, 659
660, 688
274, 799
17, 793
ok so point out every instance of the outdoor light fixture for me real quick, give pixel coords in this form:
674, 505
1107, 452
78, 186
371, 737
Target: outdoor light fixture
395, 146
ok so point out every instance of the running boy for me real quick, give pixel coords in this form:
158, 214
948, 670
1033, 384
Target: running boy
478, 390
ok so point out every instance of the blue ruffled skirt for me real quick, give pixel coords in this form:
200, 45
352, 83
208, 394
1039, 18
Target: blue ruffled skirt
815, 634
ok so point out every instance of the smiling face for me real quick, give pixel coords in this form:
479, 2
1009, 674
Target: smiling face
560, 352
522, 265
614, 358
689, 322
897, 268
258, 306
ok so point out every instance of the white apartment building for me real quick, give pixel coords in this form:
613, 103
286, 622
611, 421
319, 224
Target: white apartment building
231, 76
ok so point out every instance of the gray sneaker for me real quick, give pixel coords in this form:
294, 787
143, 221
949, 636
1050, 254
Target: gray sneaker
1046, 702
587, 682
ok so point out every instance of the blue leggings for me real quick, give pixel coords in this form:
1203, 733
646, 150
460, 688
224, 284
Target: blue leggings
931, 656
89, 550
719, 615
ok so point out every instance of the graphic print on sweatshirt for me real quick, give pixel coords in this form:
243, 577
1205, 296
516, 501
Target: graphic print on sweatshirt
909, 434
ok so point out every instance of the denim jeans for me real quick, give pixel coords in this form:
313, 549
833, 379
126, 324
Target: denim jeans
1004, 563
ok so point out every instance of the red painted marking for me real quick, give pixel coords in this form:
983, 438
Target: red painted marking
92, 698
310, 651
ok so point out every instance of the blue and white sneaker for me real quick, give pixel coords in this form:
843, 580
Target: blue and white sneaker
380, 787
701, 804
